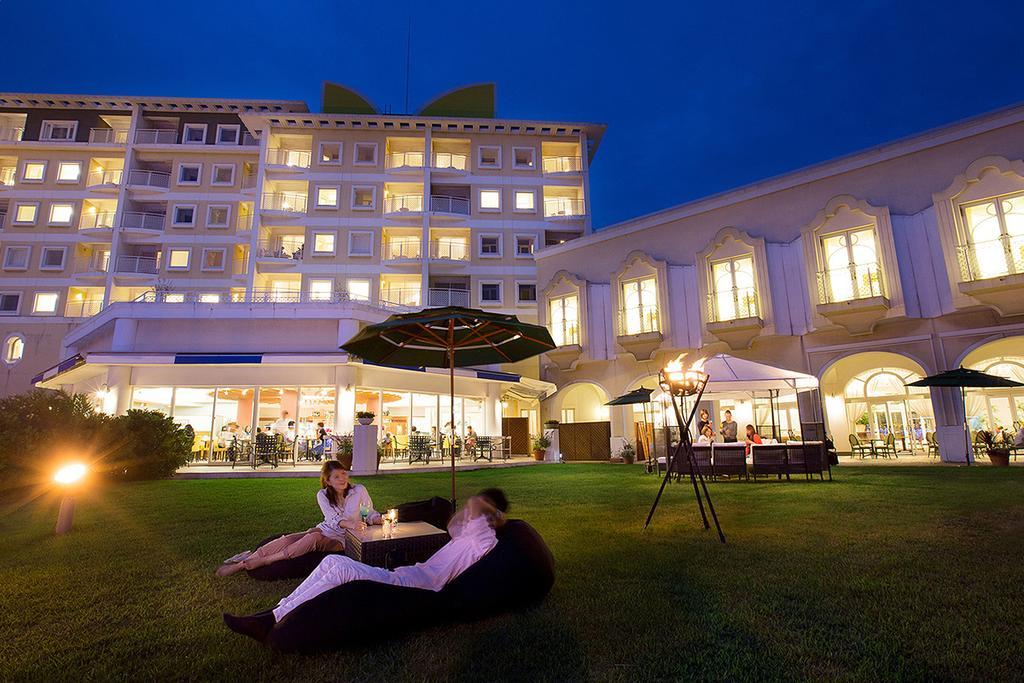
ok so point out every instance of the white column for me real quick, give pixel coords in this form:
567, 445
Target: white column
124, 335
119, 390
948, 408
346, 377
257, 208
364, 449
492, 411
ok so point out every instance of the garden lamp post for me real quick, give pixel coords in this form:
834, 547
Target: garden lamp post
67, 477
678, 382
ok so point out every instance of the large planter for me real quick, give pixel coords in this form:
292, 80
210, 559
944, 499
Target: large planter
538, 454
999, 458
365, 420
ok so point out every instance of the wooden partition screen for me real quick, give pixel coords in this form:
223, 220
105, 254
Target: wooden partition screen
585, 440
519, 429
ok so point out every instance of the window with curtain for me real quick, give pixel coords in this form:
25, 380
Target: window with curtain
995, 236
851, 265
734, 292
565, 322
639, 306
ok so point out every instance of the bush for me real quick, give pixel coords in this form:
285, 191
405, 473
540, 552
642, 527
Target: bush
146, 445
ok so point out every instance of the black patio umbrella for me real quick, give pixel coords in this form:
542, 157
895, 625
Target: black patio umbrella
964, 378
449, 337
640, 395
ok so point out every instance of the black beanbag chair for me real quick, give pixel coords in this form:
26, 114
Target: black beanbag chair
436, 511
519, 571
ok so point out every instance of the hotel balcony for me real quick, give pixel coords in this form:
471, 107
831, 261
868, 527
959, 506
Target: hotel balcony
83, 308
249, 181
104, 181
449, 163
449, 207
281, 159
406, 297
108, 136
156, 136
97, 224
852, 296
402, 206
284, 204
639, 330
11, 134
447, 297
276, 254
564, 208
244, 223
136, 268
449, 250
993, 273
142, 225
8, 174
733, 317
401, 250
404, 162
561, 165
148, 181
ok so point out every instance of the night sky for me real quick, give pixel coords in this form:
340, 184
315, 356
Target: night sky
698, 97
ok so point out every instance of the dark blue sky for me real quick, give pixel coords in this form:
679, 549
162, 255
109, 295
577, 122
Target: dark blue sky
698, 96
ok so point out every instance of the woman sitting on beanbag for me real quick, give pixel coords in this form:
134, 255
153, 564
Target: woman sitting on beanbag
473, 535
345, 506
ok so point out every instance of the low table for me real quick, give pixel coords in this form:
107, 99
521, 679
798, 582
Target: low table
411, 542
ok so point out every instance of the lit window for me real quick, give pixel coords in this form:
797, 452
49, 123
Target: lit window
366, 153
330, 152
59, 130
26, 213
16, 258
69, 172
358, 290
360, 243
321, 290
223, 174
323, 242
564, 314
851, 266
228, 134
9, 303
525, 200
490, 200
525, 245
45, 302
490, 292
213, 259
209, 298
364, 197
52, 258
188, 174
194, 134
14, 349
639, 306
327, 197
61, 214
34, 171
174, 298
489, 157
490, 245
184, 216
178, 259
995, 236
524, 158
734, 293
218, 215
526, 292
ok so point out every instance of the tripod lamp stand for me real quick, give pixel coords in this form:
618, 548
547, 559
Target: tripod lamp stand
679, 382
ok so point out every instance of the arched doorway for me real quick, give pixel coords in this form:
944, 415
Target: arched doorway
866, 396
582, 402
999, 410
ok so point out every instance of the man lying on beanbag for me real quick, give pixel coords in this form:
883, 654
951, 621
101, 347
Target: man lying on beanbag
473, 535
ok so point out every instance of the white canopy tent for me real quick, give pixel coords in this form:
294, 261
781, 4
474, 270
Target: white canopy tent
731, 374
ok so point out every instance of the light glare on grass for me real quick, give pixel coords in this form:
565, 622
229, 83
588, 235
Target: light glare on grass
69, 474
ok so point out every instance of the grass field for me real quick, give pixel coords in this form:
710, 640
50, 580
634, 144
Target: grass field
907, 573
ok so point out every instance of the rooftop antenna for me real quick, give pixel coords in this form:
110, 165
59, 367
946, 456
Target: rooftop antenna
408, 61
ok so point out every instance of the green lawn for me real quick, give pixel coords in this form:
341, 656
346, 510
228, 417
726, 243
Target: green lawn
885, 572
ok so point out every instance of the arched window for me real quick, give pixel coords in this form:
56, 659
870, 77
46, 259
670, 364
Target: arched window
734, 288
995, 234
13, 349
851, 264
882, 383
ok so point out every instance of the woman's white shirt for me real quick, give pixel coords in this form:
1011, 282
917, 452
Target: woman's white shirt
347, 509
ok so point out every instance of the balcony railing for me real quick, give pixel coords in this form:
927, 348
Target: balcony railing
639, 320
108, 136
146, 265
449, 250
859, 281
8, 175
564, 207
405, 160
83, 308
156, 136
112, 177
263, 296
3, 218
244, 222
140, 220
448, 161
447, 297
443, 204
249, 181
992, 258
249, 140
156, 179
291, 202
100, 220
732, 304
278, 249
11, 134
97, 263
562, 164
297, 158
397, 250
403, 203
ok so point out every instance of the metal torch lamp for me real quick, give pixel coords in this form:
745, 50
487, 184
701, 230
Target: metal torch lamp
678, 382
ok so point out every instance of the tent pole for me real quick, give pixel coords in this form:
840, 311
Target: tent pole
451, 398
967, 427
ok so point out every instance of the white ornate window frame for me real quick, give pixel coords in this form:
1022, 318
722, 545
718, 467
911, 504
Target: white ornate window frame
561, 284
731, 243
639, 265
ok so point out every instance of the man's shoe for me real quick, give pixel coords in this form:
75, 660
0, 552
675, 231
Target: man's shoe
256, 626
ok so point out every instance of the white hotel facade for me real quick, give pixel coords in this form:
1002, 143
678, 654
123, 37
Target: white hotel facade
207, 257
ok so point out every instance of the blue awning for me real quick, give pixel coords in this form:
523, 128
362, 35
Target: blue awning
218, 358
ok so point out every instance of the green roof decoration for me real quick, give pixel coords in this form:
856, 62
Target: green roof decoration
337, 99
471, 101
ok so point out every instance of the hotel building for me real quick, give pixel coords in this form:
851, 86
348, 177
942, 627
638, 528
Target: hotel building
207, 257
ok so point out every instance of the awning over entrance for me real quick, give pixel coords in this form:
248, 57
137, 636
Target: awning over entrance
731, 374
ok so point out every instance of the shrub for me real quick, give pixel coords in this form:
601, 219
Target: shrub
364, 414
541, 443
146, 444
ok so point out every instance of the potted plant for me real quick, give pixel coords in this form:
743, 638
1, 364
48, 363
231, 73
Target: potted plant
365, 417
550, 424
627, 454
540, 447
997, 452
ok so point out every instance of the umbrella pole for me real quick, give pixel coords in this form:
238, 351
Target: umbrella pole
451, 406
967, 427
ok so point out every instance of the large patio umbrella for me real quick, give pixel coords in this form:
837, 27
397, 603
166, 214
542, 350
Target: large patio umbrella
964, 378
642, 396
449, 337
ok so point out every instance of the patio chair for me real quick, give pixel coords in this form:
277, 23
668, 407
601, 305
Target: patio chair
239, 452
888, 448
859, 448
484, 449
701, 455
796, 460
419, 448
266, 449
401, 446
768, 459
933, 444
730, 460
815, 454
